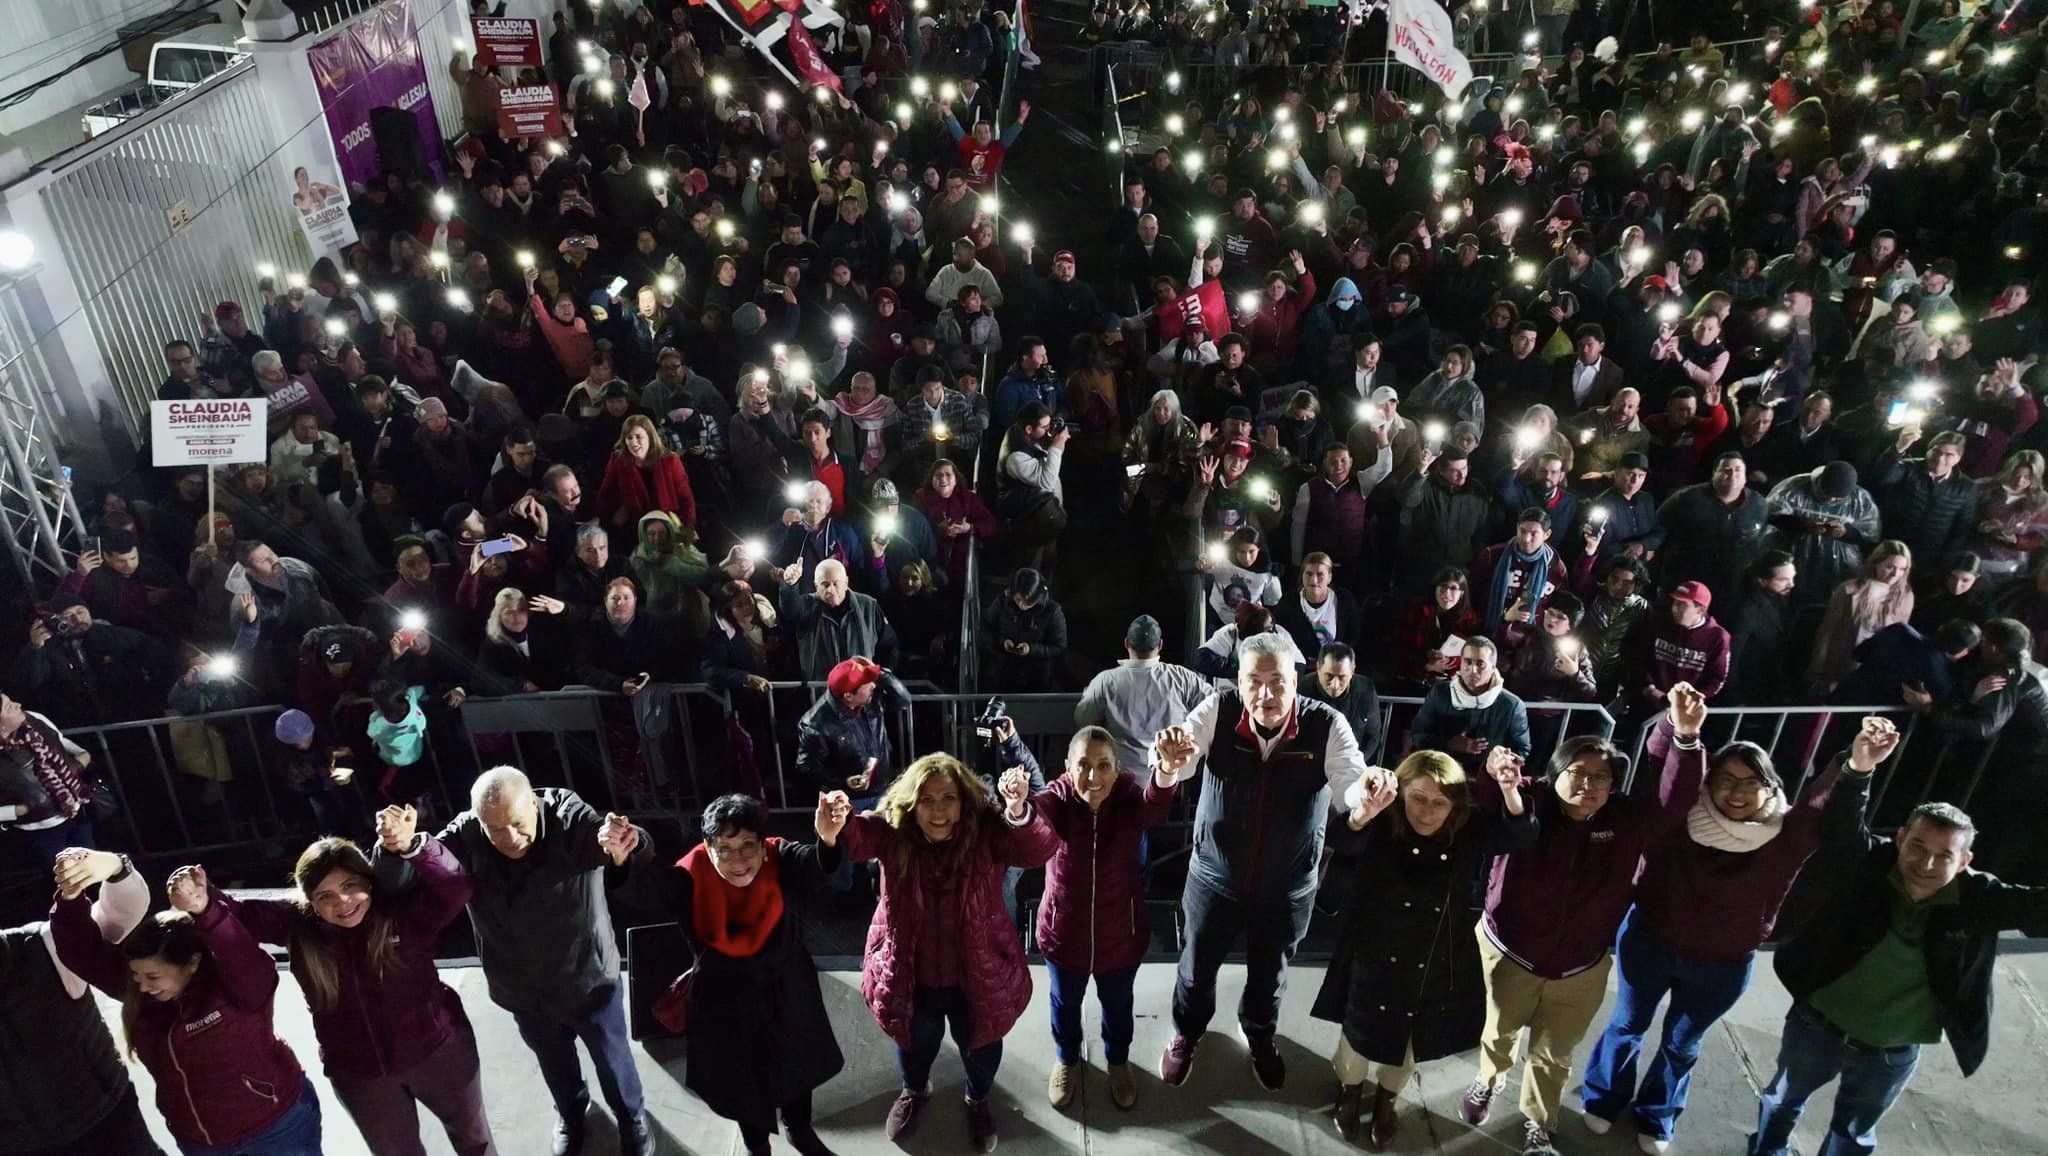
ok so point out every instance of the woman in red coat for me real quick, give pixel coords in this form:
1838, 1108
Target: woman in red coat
643, 474
942, 947
1092, 923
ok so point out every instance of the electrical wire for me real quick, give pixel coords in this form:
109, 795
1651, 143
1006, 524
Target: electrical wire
150, 26
81, 32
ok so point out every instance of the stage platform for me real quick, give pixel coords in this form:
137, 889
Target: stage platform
1222, 1110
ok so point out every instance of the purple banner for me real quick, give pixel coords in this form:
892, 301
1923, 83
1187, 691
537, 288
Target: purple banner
374, 63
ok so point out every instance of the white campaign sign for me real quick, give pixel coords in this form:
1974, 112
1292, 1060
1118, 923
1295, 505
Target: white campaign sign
1420, 35
209, 431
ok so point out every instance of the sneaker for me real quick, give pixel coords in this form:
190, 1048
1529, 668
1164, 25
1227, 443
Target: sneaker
1123, 1086
1598, 1125
1652, 1146
904, 1112
1267, 1065
1060, 1084
1178, 1059
1478, 1101
981, 1125
1536, 1140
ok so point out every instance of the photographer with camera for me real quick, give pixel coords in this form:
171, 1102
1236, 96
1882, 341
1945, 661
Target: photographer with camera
1030, 500
999, 749
88, 671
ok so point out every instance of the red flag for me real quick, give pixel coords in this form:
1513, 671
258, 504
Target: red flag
804, 54
1204, 305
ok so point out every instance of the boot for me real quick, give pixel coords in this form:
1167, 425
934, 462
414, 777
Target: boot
1384, 1122
1350, 1106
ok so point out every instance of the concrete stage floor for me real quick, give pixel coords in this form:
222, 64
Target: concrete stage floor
1221, 1110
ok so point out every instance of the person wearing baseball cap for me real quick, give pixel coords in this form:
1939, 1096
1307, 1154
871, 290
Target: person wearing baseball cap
843, 739
228, 343
1685, 645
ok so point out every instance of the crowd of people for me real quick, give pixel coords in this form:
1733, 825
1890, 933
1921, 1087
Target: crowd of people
1636, 376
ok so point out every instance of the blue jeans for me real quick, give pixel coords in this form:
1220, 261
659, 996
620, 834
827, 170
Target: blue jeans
931, 1010
1814, 1052
602, 1028
1701, 993
1112, 990
296, 1133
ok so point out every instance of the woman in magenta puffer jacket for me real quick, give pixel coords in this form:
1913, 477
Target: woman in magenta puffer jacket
392, 1035
1092, 923
942, 949
197, 993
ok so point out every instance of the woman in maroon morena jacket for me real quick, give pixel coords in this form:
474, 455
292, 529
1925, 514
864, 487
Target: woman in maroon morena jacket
957, 516
196, 996
391, 1034
1092, 923
643, 474
942, 946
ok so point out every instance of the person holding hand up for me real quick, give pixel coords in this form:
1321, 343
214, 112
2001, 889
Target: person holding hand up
1404, 982
197, 995
393, 1037
757, 1036
537, 859
941, 949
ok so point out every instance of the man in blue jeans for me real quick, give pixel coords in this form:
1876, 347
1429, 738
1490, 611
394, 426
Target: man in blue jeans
1903, 958
538, 857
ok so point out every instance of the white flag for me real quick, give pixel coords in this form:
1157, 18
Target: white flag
1420, 35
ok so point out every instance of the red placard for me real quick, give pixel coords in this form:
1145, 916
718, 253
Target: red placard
506, 40
529, 110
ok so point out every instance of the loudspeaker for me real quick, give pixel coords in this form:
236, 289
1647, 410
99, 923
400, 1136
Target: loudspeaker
655, 956
397, 134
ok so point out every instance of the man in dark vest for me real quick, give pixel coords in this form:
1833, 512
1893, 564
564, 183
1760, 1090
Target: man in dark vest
1330, 509
1278, 763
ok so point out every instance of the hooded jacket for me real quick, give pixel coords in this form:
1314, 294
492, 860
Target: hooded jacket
672, 581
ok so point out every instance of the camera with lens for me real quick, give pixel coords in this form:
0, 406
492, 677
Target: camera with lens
985, 723
58, 625
1059, 425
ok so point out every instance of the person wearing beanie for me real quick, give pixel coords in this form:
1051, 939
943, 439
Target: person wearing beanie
1030, 630
1141, 695
1825, 520
1623, 519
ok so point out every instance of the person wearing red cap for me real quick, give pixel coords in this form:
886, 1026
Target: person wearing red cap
843, 739
226, 342
1684, 645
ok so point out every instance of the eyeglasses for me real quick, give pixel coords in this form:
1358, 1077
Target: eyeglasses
1591, 782
1451, 586
1742, 786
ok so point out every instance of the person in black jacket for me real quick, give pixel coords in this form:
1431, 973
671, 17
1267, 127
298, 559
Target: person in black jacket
1759, 622
1928, 504
843, 739
1349, 693
1904, 958
1031, 630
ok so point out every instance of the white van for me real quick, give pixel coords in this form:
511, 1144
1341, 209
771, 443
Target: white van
174, 66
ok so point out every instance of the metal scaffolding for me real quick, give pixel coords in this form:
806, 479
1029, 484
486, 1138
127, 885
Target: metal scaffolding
37, 511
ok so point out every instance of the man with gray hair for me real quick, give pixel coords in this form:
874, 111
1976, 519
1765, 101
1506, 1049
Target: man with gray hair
1278, 763
832, 623
538, 857
288, 395
1140, 696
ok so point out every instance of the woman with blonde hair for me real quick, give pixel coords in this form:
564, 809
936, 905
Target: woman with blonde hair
942, 949
643, 474
392, 1035
1880, 595
2012, 520
1405, 980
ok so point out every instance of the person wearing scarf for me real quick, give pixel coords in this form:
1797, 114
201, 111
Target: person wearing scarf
1473, 712
1515, 576
756, 1033
1881, 596
869, 425
45, 794
1706, 900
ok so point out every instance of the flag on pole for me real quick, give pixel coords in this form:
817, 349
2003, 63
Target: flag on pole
1420, 35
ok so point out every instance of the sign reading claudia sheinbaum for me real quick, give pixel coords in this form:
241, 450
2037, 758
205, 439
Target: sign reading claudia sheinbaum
208, 431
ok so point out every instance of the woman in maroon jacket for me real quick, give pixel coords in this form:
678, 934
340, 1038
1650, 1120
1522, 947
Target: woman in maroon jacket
942, 947
643, 474
196, 996
1092, 923
1546, 938
956, 515
391, 1034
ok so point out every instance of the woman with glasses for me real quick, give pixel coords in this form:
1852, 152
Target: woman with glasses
1707, 899
1552, 911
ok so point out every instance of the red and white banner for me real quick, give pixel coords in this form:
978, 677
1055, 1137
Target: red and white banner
505, 40
1203, 305
529, 110
804, 54
1419, 35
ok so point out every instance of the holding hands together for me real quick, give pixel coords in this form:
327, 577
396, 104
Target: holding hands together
1176, 749
187, 891
395, 828
1688, 710
1873, 744
1379, 789
1015, 788
619, 838
78, 868
834, 809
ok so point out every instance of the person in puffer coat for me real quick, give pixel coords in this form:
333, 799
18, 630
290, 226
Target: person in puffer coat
941, 950
392, 1035
1092, 923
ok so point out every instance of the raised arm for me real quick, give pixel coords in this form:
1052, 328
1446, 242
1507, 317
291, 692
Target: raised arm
244, 971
